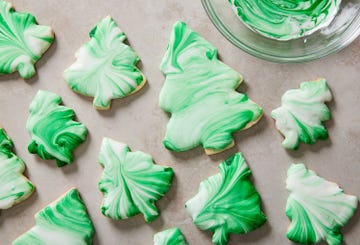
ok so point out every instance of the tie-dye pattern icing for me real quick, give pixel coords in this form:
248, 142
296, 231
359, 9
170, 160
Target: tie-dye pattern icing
199, 92
64, 221
105, 67
317, 208
14, 186
54, 134
171, 236
131, 182
22, 41
227, 202
302, 111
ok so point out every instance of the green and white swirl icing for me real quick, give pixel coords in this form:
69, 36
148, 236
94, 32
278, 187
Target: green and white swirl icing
64, 221
54, 134
302, 111
171, 236
22, 41
131, 182
285, 20
317, 208
105, 67
14, 186
199, 92
227, 202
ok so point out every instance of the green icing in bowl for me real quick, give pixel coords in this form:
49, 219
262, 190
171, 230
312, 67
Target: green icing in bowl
285, 20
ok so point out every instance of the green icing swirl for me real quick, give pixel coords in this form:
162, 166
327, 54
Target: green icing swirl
227, 202
63, 222
171, 236
22, 41
317, 208
131, 182
105, 67
302, 111
284, 20
199, 92
14, 187
54, 134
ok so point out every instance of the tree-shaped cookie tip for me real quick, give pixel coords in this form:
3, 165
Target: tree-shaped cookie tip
22, 41
302, 111
54, 133
171, 236
14, 186
227, 202
64, 221
105, 67
131, 182
199, 92
317, 208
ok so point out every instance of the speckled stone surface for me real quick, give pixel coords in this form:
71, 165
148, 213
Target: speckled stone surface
138, 121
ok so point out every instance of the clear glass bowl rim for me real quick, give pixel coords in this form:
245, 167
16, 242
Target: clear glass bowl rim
346, 38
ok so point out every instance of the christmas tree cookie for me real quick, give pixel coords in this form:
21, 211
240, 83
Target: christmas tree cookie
227, 202
22, 41
131, 182
199, 92
171, 236
54, 134
302, 111
105, 67
14, 186
64, 221
317, 208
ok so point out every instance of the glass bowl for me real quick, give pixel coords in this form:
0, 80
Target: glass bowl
341, 32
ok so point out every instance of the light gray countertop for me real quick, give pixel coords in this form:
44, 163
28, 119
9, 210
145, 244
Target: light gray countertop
138, 121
